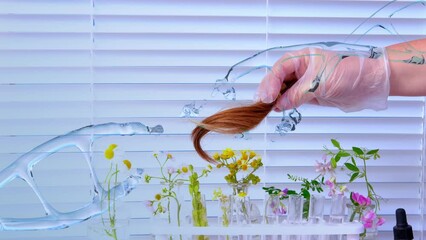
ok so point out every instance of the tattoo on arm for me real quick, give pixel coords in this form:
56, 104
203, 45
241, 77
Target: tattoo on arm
416, 60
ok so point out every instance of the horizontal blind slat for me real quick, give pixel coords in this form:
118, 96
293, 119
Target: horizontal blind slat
347, 9
153, 24
39, 58
28, 7
45, 23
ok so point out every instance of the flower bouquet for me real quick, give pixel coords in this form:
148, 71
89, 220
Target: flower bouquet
241, 174
361, 208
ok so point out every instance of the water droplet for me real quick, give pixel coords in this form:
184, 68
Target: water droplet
190, 110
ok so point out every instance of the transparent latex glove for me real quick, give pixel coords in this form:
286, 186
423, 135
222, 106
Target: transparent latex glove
350, 81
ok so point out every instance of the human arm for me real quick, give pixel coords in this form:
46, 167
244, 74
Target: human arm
348, 81
407, 79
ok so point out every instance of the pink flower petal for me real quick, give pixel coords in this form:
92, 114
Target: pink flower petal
380, 221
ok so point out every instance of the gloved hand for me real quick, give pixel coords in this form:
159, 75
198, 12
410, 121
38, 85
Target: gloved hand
346, 80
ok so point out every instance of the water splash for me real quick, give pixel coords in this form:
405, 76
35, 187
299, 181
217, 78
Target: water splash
190, 110
83, 139
243, 136
224, 87
289, 121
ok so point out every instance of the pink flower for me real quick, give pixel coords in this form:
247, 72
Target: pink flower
284, 192
332, 187
365, 201
324, 166
360, 199
149, 205
280, 210
380, 221
171, 170
368, 219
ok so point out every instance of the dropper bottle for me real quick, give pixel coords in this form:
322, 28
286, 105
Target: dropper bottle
402, 231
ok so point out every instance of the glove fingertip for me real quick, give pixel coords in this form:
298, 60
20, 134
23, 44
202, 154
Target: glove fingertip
263, 97
283, 103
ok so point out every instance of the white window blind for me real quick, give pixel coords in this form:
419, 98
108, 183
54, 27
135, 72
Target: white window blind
68, 64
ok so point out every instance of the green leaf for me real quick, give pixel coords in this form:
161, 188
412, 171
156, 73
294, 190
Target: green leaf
291, 192
305, 193
335, 143
374, 151
343, 154
352, 167
376, 156
353, 160
354, 176
337, 158
358, 150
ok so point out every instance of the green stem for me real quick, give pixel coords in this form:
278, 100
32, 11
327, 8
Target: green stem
225, 220
371, 192
351, 219
161, 167
173, 196
110, 230
114, 233
266, 209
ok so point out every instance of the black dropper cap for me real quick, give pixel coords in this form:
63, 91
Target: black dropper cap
402, 231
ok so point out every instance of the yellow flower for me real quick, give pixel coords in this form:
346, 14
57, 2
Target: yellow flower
243, 160
244, 167
216, 156
254, 164
244, 155
128, 164
242, 194
158, 197
169, 156
227, 153
239, 162
252, 154
109, 152
184, 169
